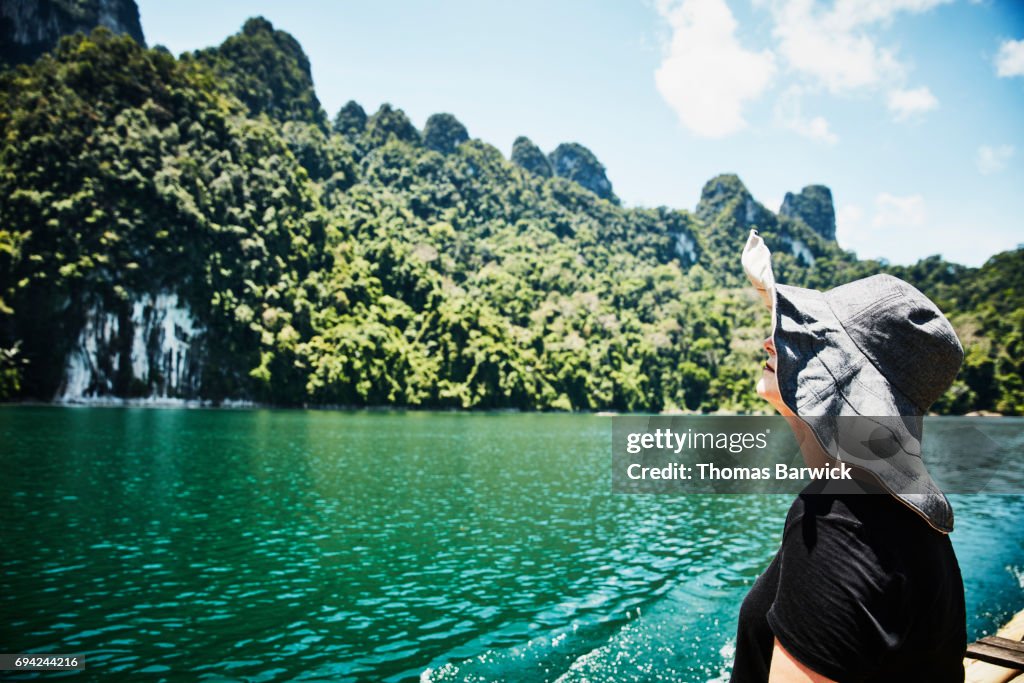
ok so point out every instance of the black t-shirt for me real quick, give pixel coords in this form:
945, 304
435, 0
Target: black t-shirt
862, 589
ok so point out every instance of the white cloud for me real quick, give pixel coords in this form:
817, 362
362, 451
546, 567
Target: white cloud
817, 129
837, 59
944, 235
709, 78
993, 159
849, 224
905, 104
835, 46
881, 236
892, 211
1010, 59
789, 113
706, 76
854, 232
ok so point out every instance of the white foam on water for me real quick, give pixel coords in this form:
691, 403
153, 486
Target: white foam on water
1018, 573
728, 654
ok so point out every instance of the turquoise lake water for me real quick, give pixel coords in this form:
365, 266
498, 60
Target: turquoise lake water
259, 545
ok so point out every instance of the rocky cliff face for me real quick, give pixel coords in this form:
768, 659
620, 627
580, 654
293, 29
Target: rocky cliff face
719, 193
148, 350
729, 211
28, 28
686, 248
577, 163
814, 207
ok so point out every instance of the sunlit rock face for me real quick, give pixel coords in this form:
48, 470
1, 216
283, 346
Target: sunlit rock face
148, 350
801, 252
577, 163
727, 191
686, 248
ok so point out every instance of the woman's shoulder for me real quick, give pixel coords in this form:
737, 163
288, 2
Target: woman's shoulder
871, 527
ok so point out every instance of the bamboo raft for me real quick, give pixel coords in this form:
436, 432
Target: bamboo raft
1005, 647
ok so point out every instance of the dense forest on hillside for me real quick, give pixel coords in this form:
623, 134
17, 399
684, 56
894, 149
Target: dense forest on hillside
357, 260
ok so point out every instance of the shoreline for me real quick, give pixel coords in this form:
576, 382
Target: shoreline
245, 404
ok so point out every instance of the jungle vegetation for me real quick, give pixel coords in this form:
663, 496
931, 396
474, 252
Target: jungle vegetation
355, 260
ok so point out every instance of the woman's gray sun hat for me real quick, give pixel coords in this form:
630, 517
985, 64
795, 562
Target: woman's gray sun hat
861, 364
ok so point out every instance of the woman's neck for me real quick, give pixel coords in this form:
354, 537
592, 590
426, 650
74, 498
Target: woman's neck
814, 454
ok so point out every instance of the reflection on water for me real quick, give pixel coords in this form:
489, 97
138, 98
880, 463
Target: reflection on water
263, 545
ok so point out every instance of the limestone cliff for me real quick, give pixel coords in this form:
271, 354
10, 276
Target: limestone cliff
147, 349
577, 163
814, 207
28, 28
720, 192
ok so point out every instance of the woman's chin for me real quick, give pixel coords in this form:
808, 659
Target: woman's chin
762, 388
768, 389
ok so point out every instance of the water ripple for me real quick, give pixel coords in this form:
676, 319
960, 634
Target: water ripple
276, 545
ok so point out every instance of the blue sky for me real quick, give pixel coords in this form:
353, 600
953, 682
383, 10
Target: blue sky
911, 111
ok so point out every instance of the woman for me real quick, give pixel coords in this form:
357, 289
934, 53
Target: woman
864, 587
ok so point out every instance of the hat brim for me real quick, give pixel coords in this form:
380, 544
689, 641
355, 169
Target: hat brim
855, 413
